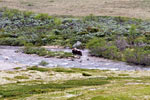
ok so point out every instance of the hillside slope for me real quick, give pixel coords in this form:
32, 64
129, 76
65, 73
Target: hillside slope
128, 8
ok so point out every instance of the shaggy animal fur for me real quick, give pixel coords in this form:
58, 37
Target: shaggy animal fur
76, 52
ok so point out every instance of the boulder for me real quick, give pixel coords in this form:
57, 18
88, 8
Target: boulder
77, 44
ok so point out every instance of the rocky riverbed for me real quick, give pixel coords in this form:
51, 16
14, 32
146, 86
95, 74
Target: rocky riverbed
10, 59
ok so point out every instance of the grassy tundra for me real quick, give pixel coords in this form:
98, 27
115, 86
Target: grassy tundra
118, 38
35, 83
128, 8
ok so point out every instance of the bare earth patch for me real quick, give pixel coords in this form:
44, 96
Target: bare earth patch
129, 8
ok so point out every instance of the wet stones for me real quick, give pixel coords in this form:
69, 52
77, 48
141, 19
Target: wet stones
6, 58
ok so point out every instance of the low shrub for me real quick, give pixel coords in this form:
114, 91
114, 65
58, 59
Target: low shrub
43, 63
11, 41
138, 56
42, 16
43, 52
100, 48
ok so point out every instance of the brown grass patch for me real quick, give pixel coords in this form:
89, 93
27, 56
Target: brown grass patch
129, 8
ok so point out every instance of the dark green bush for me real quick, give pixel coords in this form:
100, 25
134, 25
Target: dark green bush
99, 47
11, 41
138, 56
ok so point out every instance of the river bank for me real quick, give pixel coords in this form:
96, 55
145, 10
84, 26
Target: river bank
10, 59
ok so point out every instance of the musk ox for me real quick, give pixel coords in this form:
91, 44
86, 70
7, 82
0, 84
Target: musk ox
76, 52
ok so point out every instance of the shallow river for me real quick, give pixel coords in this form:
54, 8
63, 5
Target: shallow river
10, 59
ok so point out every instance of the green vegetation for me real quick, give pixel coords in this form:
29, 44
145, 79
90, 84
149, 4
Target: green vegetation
119, 38
17, 90
44, 52
17, 68
43, 63
56, 69
65, 70
71, 84
123, 74
38, 69
120, 51
21, 77
112, 98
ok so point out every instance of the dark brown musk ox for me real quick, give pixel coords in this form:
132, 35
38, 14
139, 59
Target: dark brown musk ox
76, 52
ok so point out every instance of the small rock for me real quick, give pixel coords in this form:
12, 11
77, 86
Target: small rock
6, 58
80, 61
77, 44
17, 51
71, 59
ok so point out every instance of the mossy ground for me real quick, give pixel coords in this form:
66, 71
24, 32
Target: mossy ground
36, 83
